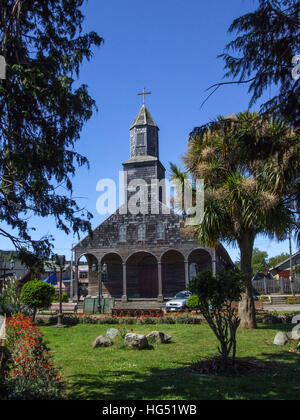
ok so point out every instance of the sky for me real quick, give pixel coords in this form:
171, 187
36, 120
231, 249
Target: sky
170, 47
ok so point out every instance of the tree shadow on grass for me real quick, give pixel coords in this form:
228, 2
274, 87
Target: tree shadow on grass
180, 383
276, 327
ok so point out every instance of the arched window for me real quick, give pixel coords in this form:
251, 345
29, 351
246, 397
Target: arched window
160, 231
123, 233
142, 232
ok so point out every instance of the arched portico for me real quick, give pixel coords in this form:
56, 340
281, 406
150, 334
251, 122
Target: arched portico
141, 275
93, 279
112, 281
173, 273
199, 259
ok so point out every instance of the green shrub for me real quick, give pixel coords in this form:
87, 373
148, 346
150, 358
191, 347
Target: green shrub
146, 321
186, 319
10, 302
271, 319
88, 319
216, 295
108, 320
128, 321
37, 295
193, 302
70, 320
167, 320
28, 389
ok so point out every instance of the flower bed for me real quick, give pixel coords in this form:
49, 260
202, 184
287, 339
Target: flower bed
30, 374
113, 320
293, 300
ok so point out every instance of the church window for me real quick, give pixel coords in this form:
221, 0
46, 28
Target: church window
140, 139
142, 232
122, 233
160, 231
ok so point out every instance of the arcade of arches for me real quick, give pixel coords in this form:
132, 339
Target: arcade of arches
144, 275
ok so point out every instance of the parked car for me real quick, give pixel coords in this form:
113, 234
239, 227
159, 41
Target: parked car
178, 304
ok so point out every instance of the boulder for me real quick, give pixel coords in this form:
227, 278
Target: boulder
281, 339
159, 337
102, 342
294, 335
112, 333
136, 341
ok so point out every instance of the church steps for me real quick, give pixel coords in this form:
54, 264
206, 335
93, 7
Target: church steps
139, 304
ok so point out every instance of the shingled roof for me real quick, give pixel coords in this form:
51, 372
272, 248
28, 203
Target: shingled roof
143, 118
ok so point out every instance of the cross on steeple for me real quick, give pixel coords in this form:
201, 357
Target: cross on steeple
144, 93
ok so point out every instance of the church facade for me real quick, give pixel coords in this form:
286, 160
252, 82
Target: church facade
145, 255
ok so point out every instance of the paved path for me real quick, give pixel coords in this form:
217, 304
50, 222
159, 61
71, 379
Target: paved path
282, 308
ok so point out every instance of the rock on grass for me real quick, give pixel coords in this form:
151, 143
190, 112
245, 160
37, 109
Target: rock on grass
136, 341
102, 342
281, 339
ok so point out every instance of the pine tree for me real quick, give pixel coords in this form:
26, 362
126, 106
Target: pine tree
267, 42
42, 112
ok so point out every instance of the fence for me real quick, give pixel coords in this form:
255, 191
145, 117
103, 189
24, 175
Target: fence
91, 305
270, 286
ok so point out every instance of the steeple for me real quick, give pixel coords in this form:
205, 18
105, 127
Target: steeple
144, 135
144, 160
143, 118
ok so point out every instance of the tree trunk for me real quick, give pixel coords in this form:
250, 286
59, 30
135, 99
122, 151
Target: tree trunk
247, 312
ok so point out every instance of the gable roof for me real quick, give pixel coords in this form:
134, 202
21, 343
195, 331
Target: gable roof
285, 265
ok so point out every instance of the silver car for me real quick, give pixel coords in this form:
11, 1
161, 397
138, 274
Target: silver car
178, 304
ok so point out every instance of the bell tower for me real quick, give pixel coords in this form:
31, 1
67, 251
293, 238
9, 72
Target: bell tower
144, 135
144, 160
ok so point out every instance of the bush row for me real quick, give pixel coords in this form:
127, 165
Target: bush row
143, 320
274, 318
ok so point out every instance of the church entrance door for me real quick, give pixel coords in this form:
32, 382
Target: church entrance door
148, 279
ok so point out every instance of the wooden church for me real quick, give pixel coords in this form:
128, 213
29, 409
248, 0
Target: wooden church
145, 256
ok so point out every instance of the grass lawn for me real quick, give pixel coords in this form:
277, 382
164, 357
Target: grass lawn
119, 373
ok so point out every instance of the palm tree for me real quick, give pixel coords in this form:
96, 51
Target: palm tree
180, 179
245, 162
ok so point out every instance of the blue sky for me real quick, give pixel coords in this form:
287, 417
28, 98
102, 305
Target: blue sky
171, 48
